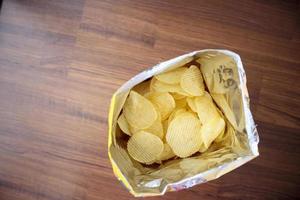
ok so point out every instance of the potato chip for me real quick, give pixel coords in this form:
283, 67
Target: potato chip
171, 77
177, 96
175, 113
192, 81
164, 102
123, 124
205, 108
180, 103
220, 99
188, 109
193, 166
203, 148
157, 111
142, 88
156, 129
168, 174
167, 153
229, 137
158, 86
183, 135
221, 135
145, 147
139, 111
211, 130
165, 126
191, 103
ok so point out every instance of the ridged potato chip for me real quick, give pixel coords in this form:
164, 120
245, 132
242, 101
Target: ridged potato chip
171, 77
192, 81
167, 153
191, 103
177, 96
211, 130
156, 129
221, 135
168, 173
180, 103
183, 135
164, 102
165, 126
193, 165
203, 148
139, 111
158, 86
220, 99
123, 124
158, 112
205, 107
175, 113
145, 147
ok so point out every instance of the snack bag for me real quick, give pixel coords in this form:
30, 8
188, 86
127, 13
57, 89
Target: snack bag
183, 122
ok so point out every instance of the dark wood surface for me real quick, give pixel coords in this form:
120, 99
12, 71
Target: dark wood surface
61, 61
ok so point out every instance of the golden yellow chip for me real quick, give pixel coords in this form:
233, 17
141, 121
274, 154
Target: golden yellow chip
191, 103
193, 166
158, 86
192, 81
181, 103
167, 153
175, 113
139, 111
142, 88
177, 96
145, 147
184, 135
165, 126
171, 77
222, 102
156, 129
123, 124
205, 108
203, 148
221, 136
163, 101
157, 111
211, 130
168, 174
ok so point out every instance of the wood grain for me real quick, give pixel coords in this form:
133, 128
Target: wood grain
60, 62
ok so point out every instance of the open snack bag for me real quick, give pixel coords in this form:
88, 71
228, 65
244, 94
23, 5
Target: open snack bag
183, 122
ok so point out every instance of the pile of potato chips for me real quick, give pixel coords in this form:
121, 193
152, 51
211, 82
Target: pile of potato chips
170, 116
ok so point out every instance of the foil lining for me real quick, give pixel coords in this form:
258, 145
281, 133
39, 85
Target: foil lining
225, 79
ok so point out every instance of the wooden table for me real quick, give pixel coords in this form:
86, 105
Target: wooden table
61, 61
